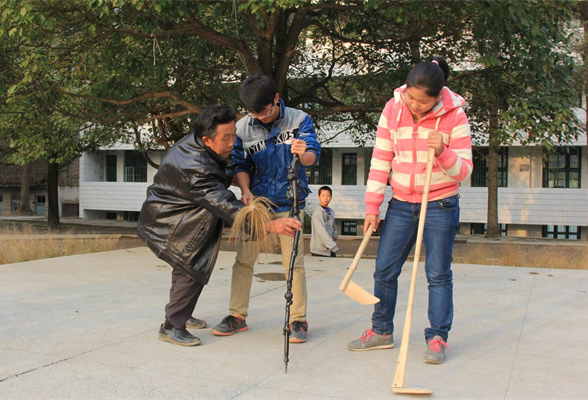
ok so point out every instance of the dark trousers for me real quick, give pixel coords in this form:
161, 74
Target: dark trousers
183, 297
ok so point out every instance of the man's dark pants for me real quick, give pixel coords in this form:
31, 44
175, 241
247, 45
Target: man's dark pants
183, 297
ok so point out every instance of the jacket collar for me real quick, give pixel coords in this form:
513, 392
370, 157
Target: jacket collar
199, 143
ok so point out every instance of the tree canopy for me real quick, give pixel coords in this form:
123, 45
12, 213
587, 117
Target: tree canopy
122, 64
112, 67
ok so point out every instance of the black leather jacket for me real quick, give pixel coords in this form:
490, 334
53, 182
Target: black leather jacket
187, 207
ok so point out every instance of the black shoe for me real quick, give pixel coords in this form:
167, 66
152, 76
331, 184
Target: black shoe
298, 331
195, 323
229, 325
181, 337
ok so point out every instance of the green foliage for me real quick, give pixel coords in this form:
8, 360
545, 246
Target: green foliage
523, 72
118, 67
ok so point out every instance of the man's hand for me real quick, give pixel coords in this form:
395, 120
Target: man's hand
285, 226
298, 147
435, 140
372, 220
246, 197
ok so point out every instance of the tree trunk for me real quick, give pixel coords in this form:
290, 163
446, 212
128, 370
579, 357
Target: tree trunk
53, 197
492, 230
583, 7
24, 207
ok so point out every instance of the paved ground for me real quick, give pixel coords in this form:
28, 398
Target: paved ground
86, 327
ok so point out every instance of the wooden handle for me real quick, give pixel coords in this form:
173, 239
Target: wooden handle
401, 366
362, 246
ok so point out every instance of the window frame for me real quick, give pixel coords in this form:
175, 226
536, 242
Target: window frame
322, 172
480, 162
566, 170
348, 227
135, 169
349, 172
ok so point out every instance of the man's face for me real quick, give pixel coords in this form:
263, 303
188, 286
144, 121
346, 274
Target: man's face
223, 141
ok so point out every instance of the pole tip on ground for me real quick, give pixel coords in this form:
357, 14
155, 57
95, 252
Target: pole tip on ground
401, 390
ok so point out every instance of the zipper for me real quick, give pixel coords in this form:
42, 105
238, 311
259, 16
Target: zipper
415, 135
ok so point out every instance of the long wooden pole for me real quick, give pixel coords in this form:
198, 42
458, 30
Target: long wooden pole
398, 385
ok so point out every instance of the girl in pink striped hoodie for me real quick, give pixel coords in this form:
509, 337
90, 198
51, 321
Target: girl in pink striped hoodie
423, 114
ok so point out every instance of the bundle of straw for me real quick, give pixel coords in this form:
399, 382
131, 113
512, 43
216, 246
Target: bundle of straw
251, 224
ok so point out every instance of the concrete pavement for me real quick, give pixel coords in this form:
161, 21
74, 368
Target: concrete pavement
86, 326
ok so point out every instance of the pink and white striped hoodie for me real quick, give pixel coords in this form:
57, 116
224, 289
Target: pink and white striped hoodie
401, 147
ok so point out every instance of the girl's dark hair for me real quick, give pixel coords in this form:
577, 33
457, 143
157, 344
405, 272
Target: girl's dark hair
429, 75
257, 92
212, 116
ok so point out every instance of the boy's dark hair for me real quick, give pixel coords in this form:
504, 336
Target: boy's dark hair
212, 116
429, 75
257, 92
325, 188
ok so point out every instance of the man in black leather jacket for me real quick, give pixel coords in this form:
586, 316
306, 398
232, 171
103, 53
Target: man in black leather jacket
186, 209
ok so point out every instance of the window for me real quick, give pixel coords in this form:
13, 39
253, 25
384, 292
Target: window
14, 202
135, 167
39, 204
349, 174
561, 232
349, 228
480, 229
131, 216
322, 172
367, 164
562, 168
480, 173
110, 168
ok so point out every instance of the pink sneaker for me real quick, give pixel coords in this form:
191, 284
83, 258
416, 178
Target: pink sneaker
436, 352
370, 340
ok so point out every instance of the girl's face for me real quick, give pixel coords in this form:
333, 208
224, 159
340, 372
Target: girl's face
419, 102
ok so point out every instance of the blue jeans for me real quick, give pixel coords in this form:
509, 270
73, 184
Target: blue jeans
398, 236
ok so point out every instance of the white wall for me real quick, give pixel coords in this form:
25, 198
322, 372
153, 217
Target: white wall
523, 205
92, 167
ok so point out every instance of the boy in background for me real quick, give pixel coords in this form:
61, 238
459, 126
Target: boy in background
324, 231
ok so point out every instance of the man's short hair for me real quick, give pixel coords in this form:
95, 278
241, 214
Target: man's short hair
325, 188
212, 116
257, 92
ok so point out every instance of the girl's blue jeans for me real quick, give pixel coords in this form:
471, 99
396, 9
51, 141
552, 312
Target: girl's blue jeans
398, 236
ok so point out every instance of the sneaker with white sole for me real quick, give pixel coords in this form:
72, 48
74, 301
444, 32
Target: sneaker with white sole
370, 340
436, 352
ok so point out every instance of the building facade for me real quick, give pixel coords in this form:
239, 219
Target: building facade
539, 195
10, 184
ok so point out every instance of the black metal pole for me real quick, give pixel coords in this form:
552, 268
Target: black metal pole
293, 194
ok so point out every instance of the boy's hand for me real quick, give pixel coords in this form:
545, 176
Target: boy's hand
285, 226
298, 147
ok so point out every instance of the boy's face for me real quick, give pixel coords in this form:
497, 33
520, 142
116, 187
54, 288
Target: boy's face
270, 113
223, 141
324, 198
